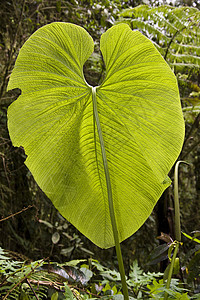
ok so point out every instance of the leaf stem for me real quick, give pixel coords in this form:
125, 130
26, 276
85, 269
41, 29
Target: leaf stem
171, 269
177, 216
177, 226
110, 198
176, 205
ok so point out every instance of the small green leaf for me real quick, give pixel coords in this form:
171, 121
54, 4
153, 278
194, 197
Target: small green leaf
68, 293
114, 289
106, 288
54, 296
23, 296
74, 263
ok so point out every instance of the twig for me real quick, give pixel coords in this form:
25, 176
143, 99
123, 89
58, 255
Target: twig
56, 285
195, 125
32, 288
172, 39
17, 213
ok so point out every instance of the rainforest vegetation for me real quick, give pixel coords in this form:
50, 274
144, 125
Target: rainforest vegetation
42, 255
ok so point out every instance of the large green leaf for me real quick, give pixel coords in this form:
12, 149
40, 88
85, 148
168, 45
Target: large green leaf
140, 117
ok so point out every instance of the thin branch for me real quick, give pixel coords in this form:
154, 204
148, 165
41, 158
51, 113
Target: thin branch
170, 44
17, 213
32, 288
172, 39
56, 285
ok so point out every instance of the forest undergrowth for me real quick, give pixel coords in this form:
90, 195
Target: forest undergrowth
42, 256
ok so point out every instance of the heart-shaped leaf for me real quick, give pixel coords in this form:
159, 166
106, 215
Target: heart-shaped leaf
55, 120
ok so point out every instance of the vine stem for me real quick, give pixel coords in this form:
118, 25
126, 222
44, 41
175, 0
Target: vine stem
110, 198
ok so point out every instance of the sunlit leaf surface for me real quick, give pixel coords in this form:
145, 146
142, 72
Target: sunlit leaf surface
140, 115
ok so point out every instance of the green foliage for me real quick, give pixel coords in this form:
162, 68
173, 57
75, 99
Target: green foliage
70, 280
53, 120
158, 288
57, 234
13, 276
23, 233
138, 279
175, 32
68, 293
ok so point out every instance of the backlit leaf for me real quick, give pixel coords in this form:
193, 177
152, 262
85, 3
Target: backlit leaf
53, 119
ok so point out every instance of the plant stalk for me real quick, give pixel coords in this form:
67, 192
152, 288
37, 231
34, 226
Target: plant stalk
177, 216
110, 198
177, 221
176, 205
171, 270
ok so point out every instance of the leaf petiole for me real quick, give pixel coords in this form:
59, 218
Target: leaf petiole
110, 198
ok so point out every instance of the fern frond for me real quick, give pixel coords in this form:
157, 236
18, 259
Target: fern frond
175, 31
